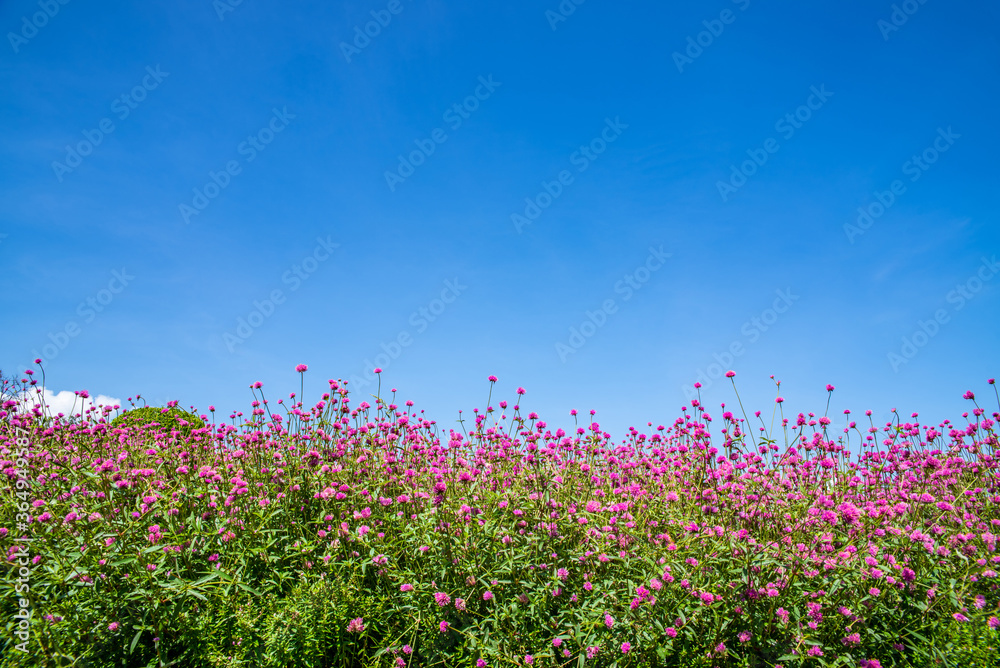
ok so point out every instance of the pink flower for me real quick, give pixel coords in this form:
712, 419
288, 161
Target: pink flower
815, 651
492, 379
356, 625
488, 596
730, 374
993, 622
608, 620
528, 659
592, 651
405, 587
556, 642
671, 631
113, 626
460, 604
301, 368
626, 647
443, 626
442, 598
480, 663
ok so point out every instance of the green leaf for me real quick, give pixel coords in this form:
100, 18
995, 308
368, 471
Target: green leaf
135, 641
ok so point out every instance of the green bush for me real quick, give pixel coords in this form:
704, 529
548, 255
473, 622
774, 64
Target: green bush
168, 419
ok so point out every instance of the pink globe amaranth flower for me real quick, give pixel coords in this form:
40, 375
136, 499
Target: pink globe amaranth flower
442, 599
528, 659
378, 370
608, 620
626, 648
592, 651
959, 617
671, 632
815, 651
993, 622
492, 379
460, 604
405, 587
730, 374
829, 388
356, 625
488, 596
113, 626
407, 649
480, 663
301, 368
556, 642
443, 626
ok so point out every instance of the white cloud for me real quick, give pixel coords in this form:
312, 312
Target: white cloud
63, 402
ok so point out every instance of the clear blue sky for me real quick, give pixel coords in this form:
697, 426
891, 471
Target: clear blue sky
529, 170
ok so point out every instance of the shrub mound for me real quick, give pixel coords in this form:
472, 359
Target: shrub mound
159, 419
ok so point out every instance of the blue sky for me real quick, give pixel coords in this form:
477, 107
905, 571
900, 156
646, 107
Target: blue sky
599, 202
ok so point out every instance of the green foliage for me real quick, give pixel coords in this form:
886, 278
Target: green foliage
167, 419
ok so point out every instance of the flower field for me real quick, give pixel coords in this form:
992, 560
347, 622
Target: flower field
355, 531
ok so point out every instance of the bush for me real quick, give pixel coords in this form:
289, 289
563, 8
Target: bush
168, 419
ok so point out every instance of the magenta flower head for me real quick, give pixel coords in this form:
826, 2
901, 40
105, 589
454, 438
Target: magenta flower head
969, 395
113, 626
994, 622
356, 625
528, 659
520, 390
480, 663
301, 368
378, 370
626, 647
492, 379
730, 374
443, 626
829, 388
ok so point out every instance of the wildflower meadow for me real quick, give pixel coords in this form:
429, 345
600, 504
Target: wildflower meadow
356, 531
